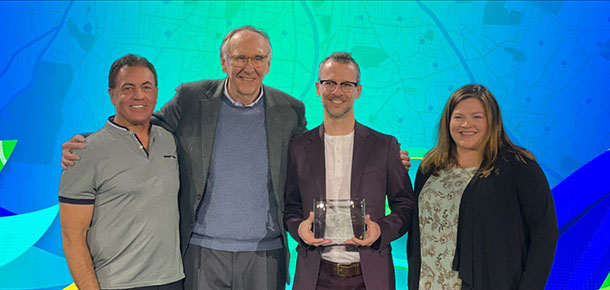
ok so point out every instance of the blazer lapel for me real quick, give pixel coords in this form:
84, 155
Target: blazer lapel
317, 160
275, 141
362, 149
210, 108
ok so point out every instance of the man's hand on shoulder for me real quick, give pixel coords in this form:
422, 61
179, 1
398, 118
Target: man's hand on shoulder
406, 160
67, 157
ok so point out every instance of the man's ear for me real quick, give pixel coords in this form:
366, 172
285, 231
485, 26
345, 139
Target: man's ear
111, 93
223, 63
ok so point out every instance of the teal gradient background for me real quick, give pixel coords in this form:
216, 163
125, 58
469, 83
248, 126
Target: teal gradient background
547, 63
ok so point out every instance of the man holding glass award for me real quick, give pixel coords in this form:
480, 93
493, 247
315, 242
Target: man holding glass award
339, 175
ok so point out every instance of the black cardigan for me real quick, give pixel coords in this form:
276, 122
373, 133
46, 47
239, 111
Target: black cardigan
507, 229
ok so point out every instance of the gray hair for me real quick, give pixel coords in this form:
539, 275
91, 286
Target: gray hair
224, 47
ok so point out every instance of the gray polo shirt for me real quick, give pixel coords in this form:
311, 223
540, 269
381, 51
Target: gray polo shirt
133, 238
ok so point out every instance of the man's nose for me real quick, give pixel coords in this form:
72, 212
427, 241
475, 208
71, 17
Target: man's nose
249, 65
337, 90
138, 94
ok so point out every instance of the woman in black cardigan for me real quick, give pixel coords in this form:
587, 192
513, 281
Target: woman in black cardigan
486, 218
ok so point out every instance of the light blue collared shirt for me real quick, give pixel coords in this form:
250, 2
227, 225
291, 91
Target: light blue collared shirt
238, 104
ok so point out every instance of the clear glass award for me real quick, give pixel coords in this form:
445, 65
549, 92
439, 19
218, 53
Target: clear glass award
339, 220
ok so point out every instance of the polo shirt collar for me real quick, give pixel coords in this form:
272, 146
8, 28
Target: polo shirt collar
119, 128
115, 125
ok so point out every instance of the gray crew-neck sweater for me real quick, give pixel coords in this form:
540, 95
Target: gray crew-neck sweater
238, 211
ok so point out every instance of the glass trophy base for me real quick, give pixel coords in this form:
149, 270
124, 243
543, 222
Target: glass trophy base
339, 220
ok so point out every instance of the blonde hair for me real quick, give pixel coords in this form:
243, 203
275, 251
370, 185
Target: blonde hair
495, 141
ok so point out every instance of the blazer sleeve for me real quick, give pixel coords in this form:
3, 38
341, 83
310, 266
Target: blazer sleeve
169, 115
302, 125
538, 210
400, 198
293, 206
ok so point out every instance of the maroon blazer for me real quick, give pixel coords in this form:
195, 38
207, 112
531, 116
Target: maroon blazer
377, 172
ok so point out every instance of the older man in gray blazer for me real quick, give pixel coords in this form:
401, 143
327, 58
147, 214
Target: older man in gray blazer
232, 144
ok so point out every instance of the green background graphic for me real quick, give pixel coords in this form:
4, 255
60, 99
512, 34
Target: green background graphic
547, 63
6, 148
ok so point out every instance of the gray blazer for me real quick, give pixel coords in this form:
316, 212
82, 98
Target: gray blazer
192, 116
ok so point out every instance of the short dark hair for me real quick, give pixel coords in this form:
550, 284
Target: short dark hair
129, 60
224, 47
341, 57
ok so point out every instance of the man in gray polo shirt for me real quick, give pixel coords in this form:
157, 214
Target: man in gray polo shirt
118, 205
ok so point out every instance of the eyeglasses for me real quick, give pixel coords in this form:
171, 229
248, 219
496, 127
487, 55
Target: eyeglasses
241, 60
346, 87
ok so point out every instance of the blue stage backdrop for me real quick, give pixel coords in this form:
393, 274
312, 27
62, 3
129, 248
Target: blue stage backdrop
547, 62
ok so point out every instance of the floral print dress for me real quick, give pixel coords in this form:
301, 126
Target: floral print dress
439, 205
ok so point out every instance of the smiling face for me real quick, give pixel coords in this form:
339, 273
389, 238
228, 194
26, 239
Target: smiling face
338, 104
468, 125
134, 96
245, 81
